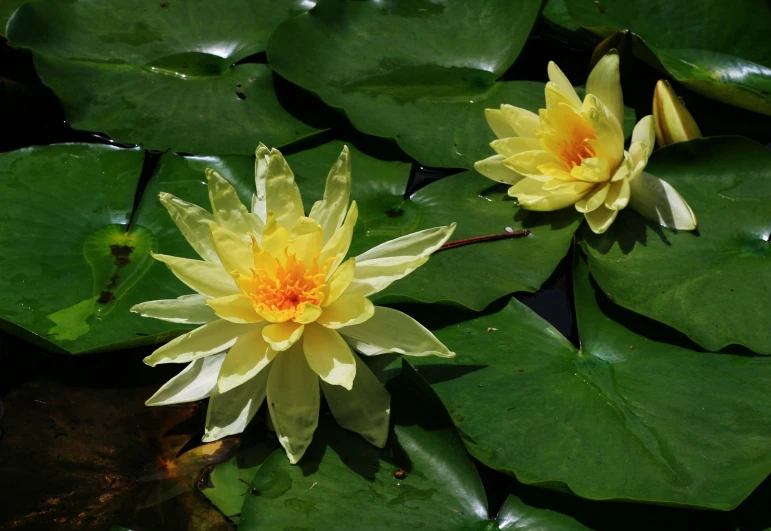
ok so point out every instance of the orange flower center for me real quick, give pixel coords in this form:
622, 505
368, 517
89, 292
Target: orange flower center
285, 293
575, 146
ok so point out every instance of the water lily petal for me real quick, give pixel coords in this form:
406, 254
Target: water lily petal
329, 356
229, 413
211, 338
377, 268
672, 120
195, 382
347, 310
393, 331
610, 136
643, 139
293, 401
247, 357
281, 336
555, 96
593, 199
234, 252
531, 195
339, 281
305, 240
260, 196
600, 218
207, 278
337, 246
509, 147
193, 222
560, 80
656, 200
330, 211
527, 162
275, 238
594, 170
524, 122
618, 195
187, 309
308, 314
227, 207
281, 191
493, 168
624, 169
499, 123
234, 308
605, 83
365, 409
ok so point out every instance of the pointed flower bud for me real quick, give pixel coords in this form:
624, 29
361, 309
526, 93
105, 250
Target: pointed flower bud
673, 121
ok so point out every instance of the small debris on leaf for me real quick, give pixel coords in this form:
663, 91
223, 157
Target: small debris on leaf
400, 474
491, 329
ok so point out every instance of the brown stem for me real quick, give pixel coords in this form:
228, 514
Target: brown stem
480, 239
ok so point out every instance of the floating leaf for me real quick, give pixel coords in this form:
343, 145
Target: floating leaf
165, 74
627, 417
422, 478
719, 48
713, 284
420, 72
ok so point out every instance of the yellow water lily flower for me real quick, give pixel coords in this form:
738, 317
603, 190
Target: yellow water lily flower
572, 154
281, 308
673, 121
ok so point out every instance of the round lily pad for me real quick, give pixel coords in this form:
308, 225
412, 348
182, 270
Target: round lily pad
631, 415
163, 74
420, 72
713, 284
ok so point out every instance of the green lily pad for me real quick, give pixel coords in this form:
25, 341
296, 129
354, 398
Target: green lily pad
714, 284
7, 8
423, 478
719, 48
628, 416
420, 72
227, 484
162, 74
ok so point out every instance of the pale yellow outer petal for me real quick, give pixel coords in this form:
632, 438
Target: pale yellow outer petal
187, 309
508, 147
308, 314
605, 83
305, 240
293, 401
329, 356
530, 195
330, 211
234, 251
261, 165
281, 336
493, 168
595, 170
558, 78
193, 222
524, 122
555, 95
600, 219
195, 382
339, 281
643, 139
207, 278
499, 123
593, 199
377, 268
618, 195
393, 331
227, 207
610, 135
282, 194
527, 163
229, 413
365, 409
234, 308
211, 338
349, 309
337, 246
247, 357
657, 200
